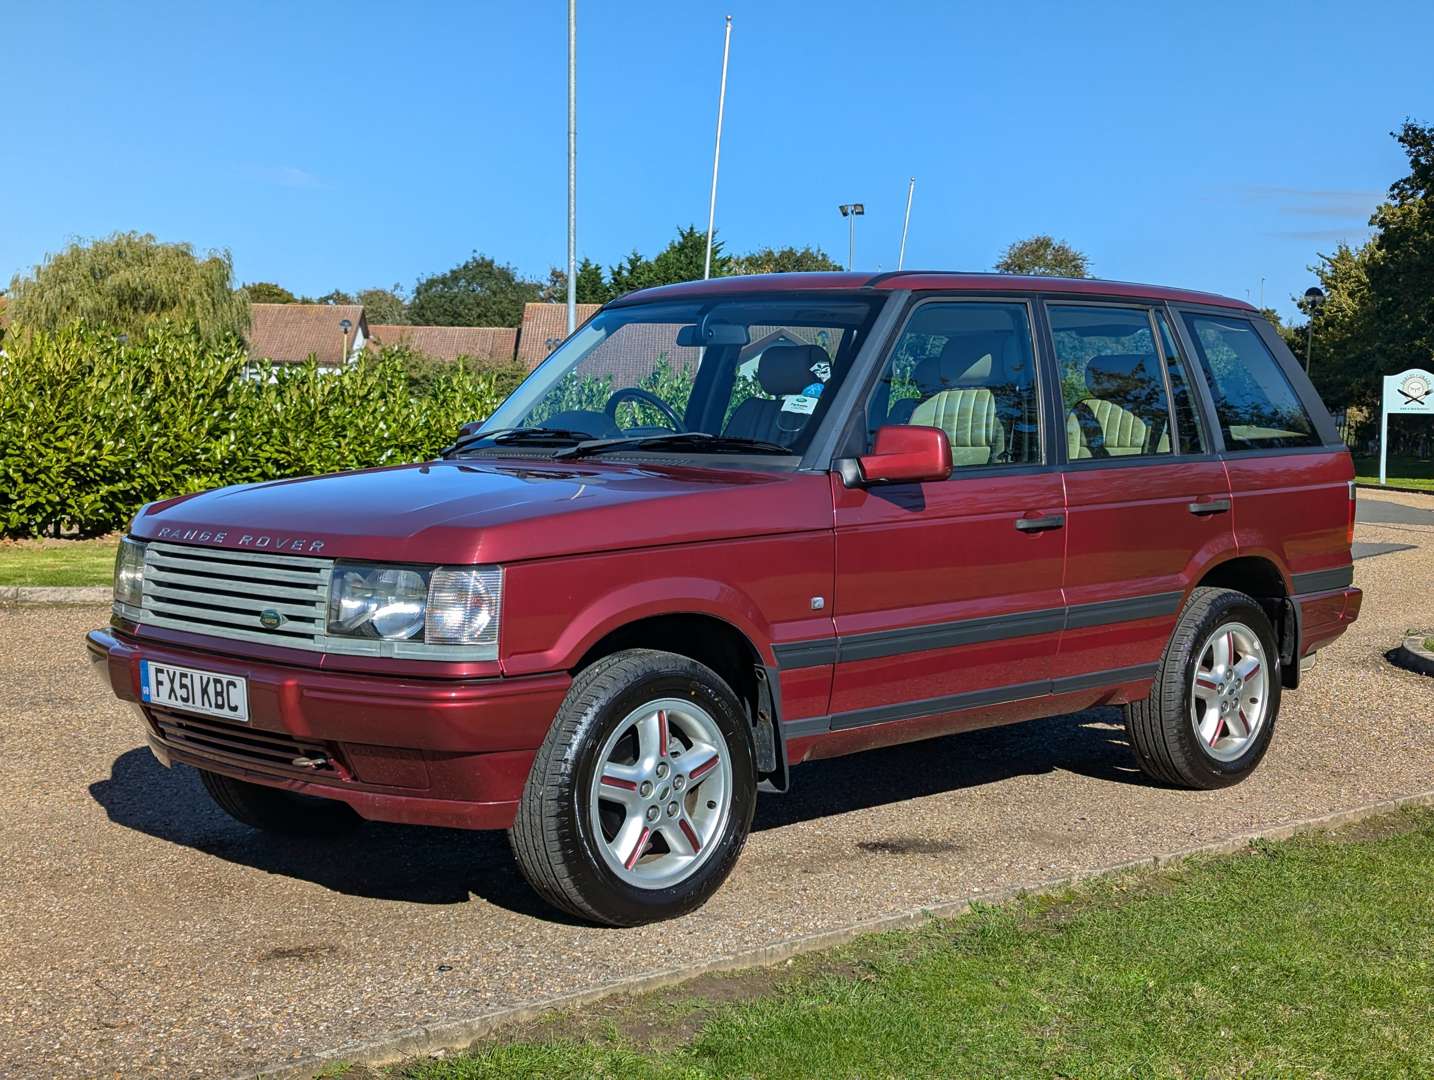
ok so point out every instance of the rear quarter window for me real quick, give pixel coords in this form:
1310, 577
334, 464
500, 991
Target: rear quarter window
1256, 406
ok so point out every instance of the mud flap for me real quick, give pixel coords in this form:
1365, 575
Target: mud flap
771, 760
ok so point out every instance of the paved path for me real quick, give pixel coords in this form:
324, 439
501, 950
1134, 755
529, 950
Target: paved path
1384, 511
145, 933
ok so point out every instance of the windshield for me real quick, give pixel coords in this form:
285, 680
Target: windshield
718, 375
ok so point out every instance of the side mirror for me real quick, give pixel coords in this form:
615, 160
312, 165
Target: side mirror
905, 454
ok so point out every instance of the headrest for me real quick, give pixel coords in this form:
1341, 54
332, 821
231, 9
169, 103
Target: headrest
967, 360
784, 370
1111, 375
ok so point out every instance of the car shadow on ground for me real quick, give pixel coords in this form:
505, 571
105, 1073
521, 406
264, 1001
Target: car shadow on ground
448, 866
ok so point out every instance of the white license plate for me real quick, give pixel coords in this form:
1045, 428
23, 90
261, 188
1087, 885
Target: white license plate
190, 690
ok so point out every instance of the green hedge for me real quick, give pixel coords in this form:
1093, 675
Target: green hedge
91, 427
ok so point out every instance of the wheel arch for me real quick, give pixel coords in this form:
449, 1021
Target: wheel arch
1260, 577
723, 647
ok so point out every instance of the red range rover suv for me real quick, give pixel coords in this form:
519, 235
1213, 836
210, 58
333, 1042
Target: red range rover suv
732, 526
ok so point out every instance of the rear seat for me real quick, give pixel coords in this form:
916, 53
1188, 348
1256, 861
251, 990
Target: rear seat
1124, 414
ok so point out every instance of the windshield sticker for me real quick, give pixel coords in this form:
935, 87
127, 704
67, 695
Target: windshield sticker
800, 403
814, 390
822, 369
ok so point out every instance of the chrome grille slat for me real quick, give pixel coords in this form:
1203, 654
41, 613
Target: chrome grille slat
243, 620
222, 593
228, 601
241, 571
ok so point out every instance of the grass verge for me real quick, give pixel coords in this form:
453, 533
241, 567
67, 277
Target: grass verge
1399, 472
58, 562
1313, 956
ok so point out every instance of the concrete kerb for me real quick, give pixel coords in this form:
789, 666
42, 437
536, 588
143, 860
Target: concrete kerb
55, 594
427, 1039
1392, 487
1413, 656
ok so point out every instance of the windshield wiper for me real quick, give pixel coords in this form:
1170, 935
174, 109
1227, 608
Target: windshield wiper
695, 441
511, 436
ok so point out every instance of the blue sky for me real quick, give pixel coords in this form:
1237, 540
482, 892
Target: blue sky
355, 144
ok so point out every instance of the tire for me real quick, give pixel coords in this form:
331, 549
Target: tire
631, 729
277, 811
1186, 732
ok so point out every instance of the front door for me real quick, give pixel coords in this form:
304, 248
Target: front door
948, 593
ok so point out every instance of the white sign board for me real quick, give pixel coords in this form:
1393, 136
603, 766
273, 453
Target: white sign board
1409, 393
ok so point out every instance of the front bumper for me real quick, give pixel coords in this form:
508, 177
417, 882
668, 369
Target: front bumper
452, 752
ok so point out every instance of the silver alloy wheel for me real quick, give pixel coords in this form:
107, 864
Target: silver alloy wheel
661, 793
1229, 696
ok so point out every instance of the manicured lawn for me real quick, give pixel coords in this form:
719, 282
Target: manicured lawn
58, 562
1313, 957
1399, 472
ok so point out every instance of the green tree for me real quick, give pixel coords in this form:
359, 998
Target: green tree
592, 285
385, 306
266, 292
125, 283
1044, 255
479, 292
338, 296
1378, 315
1401, 266
681, 260
785, 260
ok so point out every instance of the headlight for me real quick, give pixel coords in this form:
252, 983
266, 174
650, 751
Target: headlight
377, 601
442, 606
129, 573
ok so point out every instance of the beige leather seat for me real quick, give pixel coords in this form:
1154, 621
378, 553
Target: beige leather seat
958, 400
1125, 406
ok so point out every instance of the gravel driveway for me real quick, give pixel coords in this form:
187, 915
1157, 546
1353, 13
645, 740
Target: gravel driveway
144, 932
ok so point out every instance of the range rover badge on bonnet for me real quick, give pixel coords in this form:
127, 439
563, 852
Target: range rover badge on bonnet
270, 619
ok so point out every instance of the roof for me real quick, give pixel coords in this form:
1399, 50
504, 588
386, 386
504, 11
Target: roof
291, 333
449, 342
928, 279
545, 326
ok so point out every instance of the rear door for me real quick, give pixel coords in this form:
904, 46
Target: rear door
1147, 501
1289, 471
948, 594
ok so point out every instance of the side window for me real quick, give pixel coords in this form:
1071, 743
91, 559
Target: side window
1189, 426
1111, 382
1254, 401
967, 368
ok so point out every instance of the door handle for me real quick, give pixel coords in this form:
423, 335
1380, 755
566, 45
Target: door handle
1209, 506
1040, 524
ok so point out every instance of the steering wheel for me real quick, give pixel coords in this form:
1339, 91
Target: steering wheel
636, 393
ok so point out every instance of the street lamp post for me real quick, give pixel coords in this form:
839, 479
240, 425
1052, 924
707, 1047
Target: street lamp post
851, 211
345, 326
1314, 301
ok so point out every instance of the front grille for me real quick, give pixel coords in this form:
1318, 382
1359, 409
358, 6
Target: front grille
251, 748
222, 592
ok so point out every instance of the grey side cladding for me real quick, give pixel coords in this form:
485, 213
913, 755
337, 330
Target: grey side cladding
1341, 577
881, 643
971, 699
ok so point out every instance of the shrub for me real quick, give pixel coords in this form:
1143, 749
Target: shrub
422, 369
91, 428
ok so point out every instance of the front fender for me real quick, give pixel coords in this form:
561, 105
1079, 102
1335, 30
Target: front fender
596, 616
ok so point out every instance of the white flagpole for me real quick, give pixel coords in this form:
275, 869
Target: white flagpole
905, 224
572, 165
717, 153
